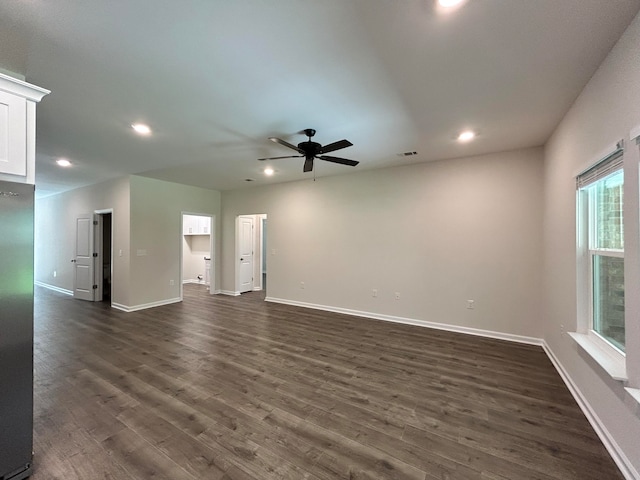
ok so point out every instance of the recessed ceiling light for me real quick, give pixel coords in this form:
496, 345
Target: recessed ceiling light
141, 128
63, 162
449, 3
466, 136
268, 171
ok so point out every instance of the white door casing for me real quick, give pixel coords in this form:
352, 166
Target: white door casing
245, 244
84, 261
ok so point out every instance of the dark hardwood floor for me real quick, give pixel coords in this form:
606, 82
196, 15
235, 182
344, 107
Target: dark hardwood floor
236, 388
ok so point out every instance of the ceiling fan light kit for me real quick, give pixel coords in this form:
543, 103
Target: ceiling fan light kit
312, 150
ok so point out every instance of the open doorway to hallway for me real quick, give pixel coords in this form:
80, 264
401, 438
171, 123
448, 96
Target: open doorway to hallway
105, 255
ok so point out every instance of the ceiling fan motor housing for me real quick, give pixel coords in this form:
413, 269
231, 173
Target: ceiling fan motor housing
310, 149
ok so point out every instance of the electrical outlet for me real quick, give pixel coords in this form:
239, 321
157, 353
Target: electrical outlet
171, 282
302, 285
397, 295
471, 304
374, 292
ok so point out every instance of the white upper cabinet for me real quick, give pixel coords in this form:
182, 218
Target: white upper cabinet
18, 129
189, 224
13, 141
204, 225
196, 225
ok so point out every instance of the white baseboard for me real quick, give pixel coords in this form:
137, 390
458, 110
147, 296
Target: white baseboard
618, 456
54, 288
413, 321
228, 292
134, 308
117, 306
193, 280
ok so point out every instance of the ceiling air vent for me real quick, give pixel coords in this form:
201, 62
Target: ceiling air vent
407, 154
249, 180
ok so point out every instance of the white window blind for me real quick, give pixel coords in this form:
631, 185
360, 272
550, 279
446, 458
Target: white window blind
604, 167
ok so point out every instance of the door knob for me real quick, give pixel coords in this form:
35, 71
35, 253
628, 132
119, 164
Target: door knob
242, 259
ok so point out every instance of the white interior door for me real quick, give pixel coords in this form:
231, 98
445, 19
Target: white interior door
84, 261
245, 243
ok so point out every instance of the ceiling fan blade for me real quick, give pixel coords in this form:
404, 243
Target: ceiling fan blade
285, 144
332, 147
308, 164
341, 161
277, 158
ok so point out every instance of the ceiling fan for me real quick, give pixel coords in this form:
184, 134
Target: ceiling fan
311, 150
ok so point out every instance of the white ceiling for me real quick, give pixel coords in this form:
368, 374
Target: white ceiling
215, 78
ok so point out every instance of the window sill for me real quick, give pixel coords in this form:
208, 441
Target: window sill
616, 369
634, 392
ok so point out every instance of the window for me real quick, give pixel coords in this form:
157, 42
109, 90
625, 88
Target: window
600, 194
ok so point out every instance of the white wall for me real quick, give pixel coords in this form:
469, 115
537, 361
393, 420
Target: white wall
55, 233
604, 113
438, 233
147, 216
156, 227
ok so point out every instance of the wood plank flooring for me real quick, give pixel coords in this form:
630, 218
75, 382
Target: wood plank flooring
236, 388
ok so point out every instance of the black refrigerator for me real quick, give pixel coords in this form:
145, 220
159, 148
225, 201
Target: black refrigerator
16, 330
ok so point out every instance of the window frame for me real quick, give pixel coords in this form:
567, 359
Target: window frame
586, 224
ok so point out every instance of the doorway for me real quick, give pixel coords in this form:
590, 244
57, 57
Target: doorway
263, 250
105, 256
93, 261
197, 251
251, 258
